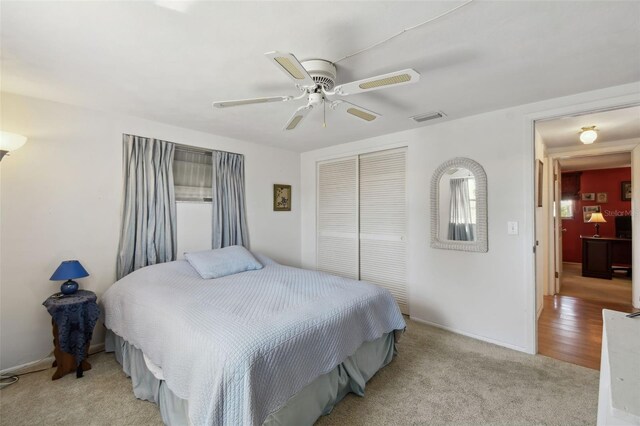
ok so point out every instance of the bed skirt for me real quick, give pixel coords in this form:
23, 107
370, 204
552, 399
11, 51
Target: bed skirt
304, 408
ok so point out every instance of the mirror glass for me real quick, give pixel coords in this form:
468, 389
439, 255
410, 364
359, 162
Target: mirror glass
457, 190
459, 206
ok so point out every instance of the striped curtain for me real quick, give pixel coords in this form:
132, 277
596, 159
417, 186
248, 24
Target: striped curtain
148, 235
229, 214
461, 227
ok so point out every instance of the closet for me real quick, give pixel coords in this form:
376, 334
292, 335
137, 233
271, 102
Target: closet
362, 220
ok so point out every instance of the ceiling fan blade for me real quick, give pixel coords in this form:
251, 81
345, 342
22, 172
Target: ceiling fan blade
227, 104
357, 111
292, 68
297, 117
392, 79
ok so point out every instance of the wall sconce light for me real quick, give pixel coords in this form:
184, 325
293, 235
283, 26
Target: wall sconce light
10, 142
588, 135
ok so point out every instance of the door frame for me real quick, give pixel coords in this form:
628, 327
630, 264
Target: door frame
530, 120
555, 207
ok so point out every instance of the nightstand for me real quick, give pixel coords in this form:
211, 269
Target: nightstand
73, 318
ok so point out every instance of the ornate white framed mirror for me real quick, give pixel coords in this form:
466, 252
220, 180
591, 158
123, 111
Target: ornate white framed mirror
459, 206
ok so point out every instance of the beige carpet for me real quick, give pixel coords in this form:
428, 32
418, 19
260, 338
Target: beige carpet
438, 378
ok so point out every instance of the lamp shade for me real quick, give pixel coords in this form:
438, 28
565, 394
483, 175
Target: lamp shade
68, 270
597, 218
11, 141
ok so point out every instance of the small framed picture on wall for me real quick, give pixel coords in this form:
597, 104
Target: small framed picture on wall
281, 198
540, 181
588, 196
625, 189
602, 197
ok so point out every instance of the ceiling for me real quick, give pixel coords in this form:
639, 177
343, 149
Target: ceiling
596, 162
146, 60
612, 126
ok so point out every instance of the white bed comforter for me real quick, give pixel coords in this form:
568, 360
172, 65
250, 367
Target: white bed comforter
237, 348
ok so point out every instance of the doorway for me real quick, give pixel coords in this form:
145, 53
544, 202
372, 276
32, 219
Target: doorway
585, 261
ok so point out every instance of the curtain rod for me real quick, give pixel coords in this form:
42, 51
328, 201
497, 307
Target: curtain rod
208, 150
190, 147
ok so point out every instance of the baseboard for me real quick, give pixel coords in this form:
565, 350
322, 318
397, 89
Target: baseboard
474, 336
44, 363
98, 347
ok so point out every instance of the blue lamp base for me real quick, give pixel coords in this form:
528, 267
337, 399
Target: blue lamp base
69, 287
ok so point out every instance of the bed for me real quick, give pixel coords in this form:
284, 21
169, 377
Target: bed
279, 345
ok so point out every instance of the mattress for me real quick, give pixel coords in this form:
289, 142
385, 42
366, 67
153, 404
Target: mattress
238, 348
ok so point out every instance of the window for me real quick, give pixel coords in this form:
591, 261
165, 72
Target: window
192, 174
566, 209
471, 183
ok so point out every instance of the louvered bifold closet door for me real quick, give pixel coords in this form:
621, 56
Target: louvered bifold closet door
383, 222
337, 239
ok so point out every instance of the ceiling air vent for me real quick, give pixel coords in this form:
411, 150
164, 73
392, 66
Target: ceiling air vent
428, 116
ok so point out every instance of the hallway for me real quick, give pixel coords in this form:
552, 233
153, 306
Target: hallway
570, 326
617, 290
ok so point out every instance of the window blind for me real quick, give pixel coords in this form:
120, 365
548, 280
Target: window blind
192, 174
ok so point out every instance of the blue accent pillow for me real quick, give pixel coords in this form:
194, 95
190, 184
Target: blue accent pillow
265, 260
222, 262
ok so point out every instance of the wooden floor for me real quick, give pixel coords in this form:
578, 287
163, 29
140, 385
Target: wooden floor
570, 328
617, 290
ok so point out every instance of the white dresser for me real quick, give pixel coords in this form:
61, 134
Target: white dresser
619, 399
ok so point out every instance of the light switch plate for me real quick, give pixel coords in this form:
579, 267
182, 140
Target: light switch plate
512, 228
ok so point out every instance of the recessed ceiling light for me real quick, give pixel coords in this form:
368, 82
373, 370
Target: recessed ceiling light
588, 135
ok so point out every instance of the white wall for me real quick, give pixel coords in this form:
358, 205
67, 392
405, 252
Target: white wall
491, 295
61, 198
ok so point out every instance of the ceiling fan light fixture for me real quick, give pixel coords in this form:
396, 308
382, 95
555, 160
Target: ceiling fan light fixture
322, 72
316, 78
289, 67
396, 79
588, 135
361, 114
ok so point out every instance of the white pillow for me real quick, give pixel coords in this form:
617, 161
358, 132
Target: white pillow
222, 262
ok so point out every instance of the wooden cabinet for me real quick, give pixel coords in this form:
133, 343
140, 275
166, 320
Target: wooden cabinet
571, 185
600, 254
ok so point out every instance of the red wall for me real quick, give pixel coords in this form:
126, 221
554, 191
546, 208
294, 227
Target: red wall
607, 180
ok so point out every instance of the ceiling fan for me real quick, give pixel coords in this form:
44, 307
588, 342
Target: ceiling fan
316, 79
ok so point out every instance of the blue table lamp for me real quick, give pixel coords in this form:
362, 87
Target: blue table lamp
68, 270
